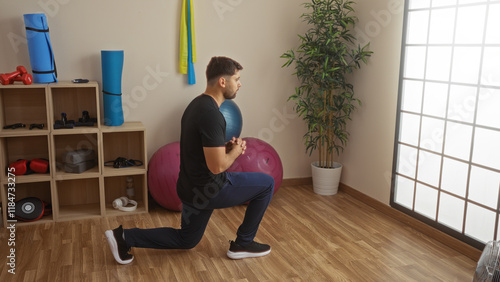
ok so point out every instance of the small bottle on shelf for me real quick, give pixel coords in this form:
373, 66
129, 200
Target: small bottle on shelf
130, 188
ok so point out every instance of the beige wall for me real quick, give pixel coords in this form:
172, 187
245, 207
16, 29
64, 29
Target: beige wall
368, 157
254, 32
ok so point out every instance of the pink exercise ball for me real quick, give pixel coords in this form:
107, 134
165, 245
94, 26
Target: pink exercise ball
260, 157
164, 167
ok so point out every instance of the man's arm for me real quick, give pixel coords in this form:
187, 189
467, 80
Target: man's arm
219, 159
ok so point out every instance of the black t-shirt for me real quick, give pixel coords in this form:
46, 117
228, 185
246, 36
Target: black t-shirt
202, 125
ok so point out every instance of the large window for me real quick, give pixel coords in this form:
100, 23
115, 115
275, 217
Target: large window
447, 152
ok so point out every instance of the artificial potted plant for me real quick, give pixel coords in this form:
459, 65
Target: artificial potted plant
327, 54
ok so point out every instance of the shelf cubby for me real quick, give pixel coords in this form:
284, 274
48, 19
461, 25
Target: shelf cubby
72, 142
24, 148
116, 187
26, 104
39, 190
127, 141
73, 99
78, 198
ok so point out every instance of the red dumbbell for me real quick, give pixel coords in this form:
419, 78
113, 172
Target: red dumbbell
6, 78
26, 78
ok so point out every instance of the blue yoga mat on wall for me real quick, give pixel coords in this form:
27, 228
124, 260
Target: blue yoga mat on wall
42, 59
112, 67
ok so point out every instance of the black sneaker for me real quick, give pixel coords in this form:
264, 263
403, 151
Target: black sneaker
118, 246
253, 250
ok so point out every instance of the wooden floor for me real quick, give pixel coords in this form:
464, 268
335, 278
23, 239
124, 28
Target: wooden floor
313, 238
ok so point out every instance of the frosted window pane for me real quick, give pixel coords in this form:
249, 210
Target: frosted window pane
479, 223
426, 201
418, 22
410, 125
466, 63
454, 178
412, 96
441, 3
429, 167
488, 111
487, 148
462, 103
435, 96
492, 34
458, 140
417, 4
407, 161
483, 187
415, 62
470, 24
404, 191
442, 26
438, 63
451, 211
491, 60
431, 137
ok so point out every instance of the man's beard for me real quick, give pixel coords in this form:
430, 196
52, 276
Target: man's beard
229, 96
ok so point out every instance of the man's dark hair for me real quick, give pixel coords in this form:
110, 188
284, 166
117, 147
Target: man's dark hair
221, 66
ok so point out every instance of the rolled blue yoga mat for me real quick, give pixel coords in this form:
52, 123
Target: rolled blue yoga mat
40, 49
112, 67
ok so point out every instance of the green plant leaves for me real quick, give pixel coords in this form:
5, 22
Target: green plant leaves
326, 54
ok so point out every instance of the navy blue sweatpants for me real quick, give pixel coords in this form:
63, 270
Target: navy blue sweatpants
252, 187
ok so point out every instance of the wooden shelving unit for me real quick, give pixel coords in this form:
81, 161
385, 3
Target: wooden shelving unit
72, 195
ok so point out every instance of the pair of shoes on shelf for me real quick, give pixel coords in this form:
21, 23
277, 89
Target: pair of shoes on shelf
118, 246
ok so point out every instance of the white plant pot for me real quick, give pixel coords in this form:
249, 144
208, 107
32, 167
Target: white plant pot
326, 180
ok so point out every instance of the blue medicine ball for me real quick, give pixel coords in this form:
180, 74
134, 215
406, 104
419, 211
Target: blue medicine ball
234, 120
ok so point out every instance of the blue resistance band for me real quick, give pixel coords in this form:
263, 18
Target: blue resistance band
191, 74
